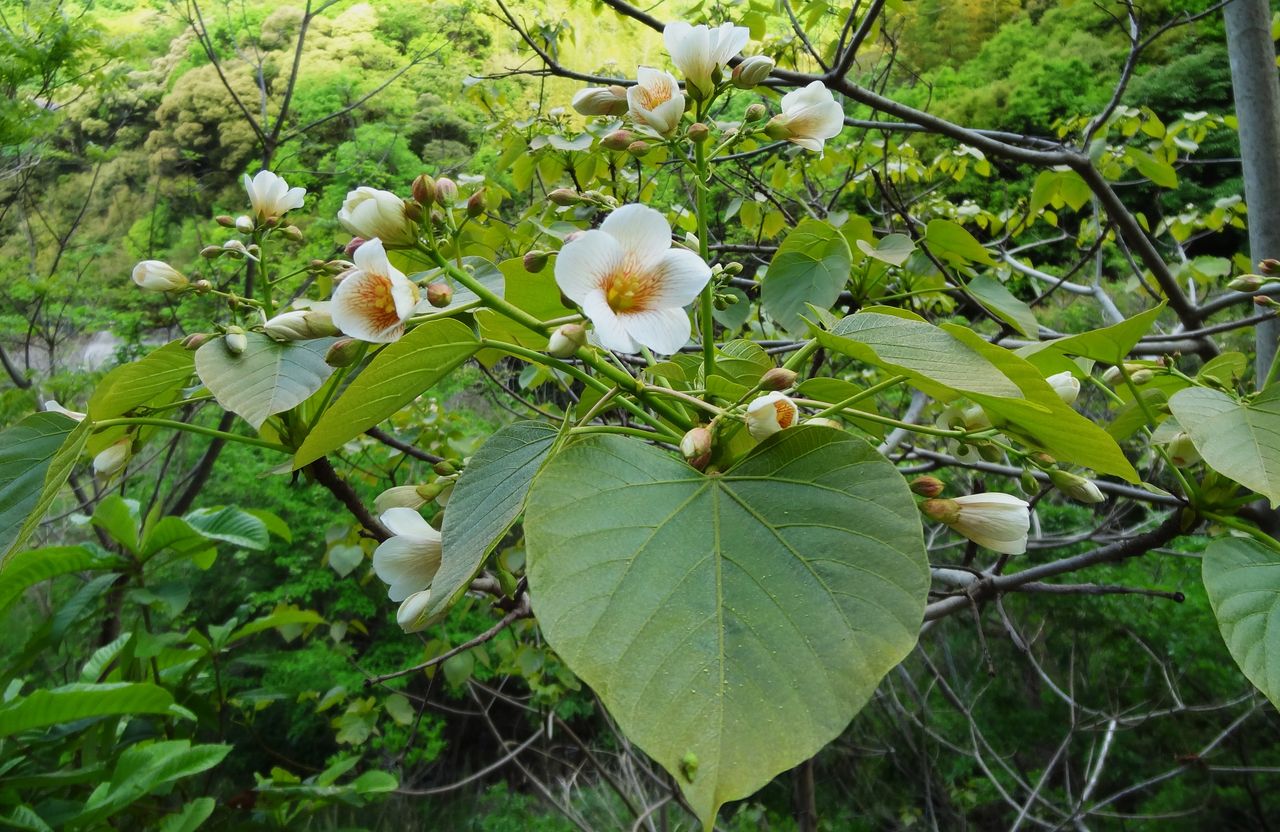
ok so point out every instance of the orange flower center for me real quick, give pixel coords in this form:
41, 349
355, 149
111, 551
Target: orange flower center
377, 303
786, 413
658, 93
629, 290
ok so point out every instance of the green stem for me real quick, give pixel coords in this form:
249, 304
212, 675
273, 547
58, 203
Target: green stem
705, 317
1239, 525
487, 297
267, 305
636, 432
190, 428
860, 395
885, 420
1187, 488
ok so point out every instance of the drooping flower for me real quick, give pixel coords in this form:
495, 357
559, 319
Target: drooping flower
769, 414
158, 276
995, 520
1065, 385
631, 283
407, 561
810, 116
374, 299
52, 406
655, 100
412, 615
1182, 451
271, 196
112, 459
1076, 487
601, 101
369, 212
701, 53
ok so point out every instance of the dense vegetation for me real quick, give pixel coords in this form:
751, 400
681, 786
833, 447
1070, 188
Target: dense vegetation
238, 597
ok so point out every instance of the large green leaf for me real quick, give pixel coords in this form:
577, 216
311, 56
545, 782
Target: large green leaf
953, 243
26, 569
69, 703
811, 267
36, 458
732, 624
903, 343
1239, 441
269, 377
395, 377
1002, 303
485, 502
143, 769
141, 382
230, 525
1242, 577
535, 293
1110, 345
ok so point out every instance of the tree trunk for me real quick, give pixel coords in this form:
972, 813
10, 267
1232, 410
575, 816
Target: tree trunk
1257, 98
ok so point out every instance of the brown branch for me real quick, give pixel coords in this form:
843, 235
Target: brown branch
324, 474
402, 446
521, 610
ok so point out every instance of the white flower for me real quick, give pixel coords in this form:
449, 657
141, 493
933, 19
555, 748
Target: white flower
769, 414
300, 325
412, 615
53, 407
408, 561
158, 276
270, 195
113, 458
1065, 385
656, 100
994, 520
369, 212
810, 116
1182, 451
700, 53
374, 299
631, 283
601, 101
400, 496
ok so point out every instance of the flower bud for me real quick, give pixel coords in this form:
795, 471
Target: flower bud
1113, 375
338, 266
400, 496
293, 232
779, 378
1066, 385
202, 287
1182, 451
1246, 283
444, 468
475, 204
975, 418
618, 140
412, 211
235, 248
601, 101
235, 340
566, 340
210, 252
564, 196
699, 132
225, 221
1076, 487
638, 149
927, 486
996, 520
446, 192
349, 249
695, 446
823, 422
755, 112
752, 71
1264, 302
1028, 482
195, 340
769, 414
158, 276
439, 295
343, 352
1270, 267
424, 189
1142, 376
244, 224
535, 261
300, 325
112, 460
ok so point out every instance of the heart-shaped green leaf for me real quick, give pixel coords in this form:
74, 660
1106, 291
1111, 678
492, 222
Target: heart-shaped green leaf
732, 624
811, 267
1242, 578
268, 377
36, 458
1239, 441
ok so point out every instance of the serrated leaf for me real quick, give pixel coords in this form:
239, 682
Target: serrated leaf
394, 378
269, 377
36, 458
810, 267
488, 497
1242, 579
1239, 441
739, 621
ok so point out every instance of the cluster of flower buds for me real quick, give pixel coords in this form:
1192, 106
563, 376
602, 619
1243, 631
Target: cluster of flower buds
300, 325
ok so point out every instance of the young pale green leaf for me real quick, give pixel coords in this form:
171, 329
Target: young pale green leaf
1239, 441
953, 243
893, 249
142, 382
1242, 578
269, 377
811, 267
119, 518
1110, 345
904, 343
26, 569
69, 703
743, 362
1002, 303
396, 376
733, 625
489, 496
36, 458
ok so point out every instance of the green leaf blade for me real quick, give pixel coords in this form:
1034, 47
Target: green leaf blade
810, 267
1242, 578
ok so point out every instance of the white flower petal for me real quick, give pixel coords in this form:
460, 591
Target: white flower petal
365, 306
293, 199
401, 520
661, 330
406, 565
609, 330
642, 232
412, 613
582, 265
683, 276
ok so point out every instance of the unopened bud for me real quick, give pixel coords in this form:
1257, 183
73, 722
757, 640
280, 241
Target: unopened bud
293, 232
446, 191
195, 340
823, 422
338, 266
779, 378
1182, 451
696, 447
566, 340
1114, 375
244, 225
343, 352
1246, 283
235, 248
1076, 487
225, 221
475, 204
350, 248
439, 295
601, 101
202, 287
927, 486
1029, 483
699, 132
300, 325
752, 71
1142, 376
112, 460
444, 468
235, 340
618, 140
755, 112
1270, 267
1265, 301
638, 149
210, 252
412, 211
424, 189
564, 196
535, 261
